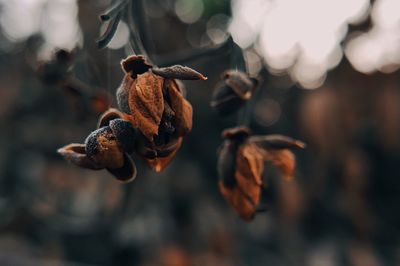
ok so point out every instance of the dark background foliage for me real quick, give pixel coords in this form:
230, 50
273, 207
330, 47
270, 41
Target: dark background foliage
342, 208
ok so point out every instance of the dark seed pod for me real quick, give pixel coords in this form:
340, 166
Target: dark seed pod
236, 89
125, 134
103, 148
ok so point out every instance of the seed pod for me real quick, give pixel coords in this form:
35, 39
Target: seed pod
125, 134
241, 166
77, 154
153, 103
236, 89
102, 147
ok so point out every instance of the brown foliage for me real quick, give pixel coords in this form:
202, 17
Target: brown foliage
241, 166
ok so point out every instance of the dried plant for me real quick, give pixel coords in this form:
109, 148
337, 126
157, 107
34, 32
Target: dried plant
154, 119
241, 166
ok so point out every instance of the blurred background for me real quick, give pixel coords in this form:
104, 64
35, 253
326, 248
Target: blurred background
330, 78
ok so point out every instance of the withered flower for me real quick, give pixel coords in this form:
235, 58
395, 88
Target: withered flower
107, 147
236, 88
241, 166
153, 102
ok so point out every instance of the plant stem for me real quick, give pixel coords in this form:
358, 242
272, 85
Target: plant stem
114, 10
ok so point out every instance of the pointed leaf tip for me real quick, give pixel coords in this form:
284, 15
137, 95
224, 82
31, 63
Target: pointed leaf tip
179, 72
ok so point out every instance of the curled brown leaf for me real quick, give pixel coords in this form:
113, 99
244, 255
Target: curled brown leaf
146, 104
76, 154
179, 72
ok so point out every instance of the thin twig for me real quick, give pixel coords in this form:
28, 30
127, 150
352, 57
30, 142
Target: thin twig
113, 11
142, 26
110, 32
135, 40
238, 62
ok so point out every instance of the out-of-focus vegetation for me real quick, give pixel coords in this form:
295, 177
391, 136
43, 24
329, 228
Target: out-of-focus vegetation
341, 209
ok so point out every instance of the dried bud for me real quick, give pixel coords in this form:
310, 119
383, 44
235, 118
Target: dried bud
106, 147
153, 102
241, 166
236, 89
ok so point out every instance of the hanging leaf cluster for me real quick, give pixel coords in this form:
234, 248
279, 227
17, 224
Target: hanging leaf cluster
153, 120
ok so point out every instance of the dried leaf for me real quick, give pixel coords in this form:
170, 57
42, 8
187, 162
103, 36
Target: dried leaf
284, 160
275, 148
135, 65
250, 162
179, 72
249, 169
182, 108
240, 168
76, 154
243, 206
146, 104
127, 172
276, 142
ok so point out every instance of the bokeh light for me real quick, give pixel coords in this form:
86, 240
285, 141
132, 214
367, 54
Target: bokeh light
300, 37
378, 49
56, 20
189, 11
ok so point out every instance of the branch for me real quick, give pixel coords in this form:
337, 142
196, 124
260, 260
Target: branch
114, 10
110, 32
